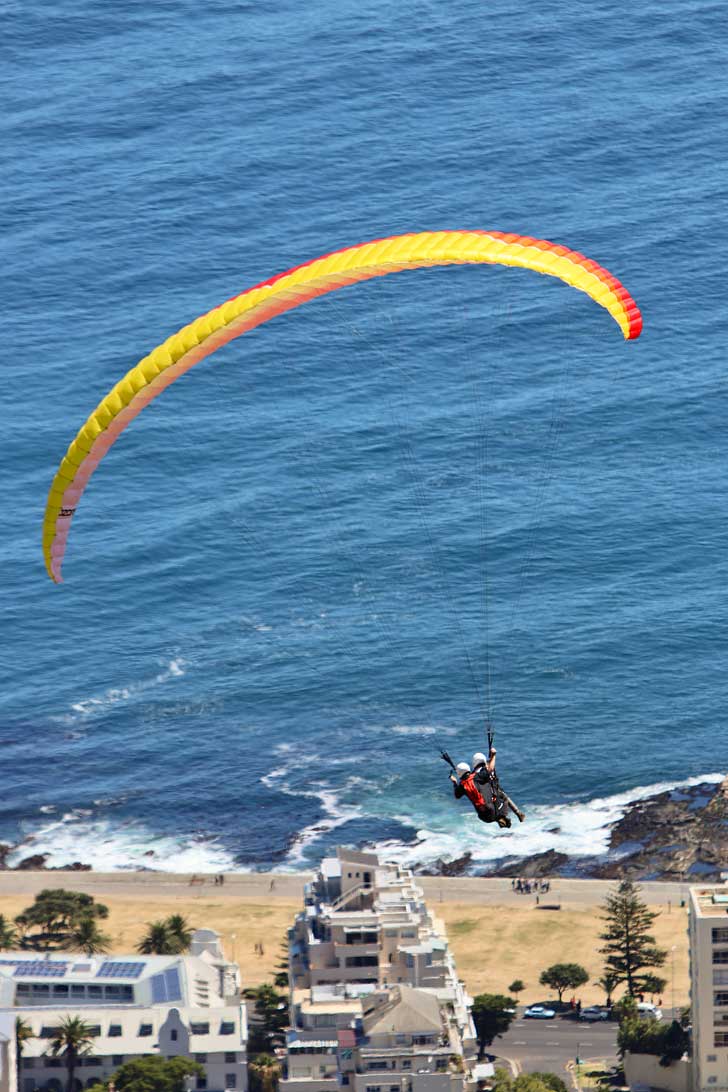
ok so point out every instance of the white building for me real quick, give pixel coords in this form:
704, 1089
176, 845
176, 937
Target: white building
8, 1078
136, 1005
709, 986
376, 1004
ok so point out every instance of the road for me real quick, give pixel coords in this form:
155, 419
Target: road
548, 1045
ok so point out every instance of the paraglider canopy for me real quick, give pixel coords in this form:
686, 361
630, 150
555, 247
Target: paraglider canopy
283, 292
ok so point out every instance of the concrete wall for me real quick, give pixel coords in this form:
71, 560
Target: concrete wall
644, 1070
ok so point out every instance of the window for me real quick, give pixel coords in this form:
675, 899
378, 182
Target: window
201, 1082
377, 1067
117, 1059
200, 1029
231, 1080
127, 993
145, 1029
60, 989
720, 1039
721, 997
362, 961
94, 1030
227, 1027
22, 987
374, 1088
720, 956
41, 989
28, 1063
712, 1080
423, 1040
230, 1057
48, 1032
200, 1057
712, 1058
95, 991
406, 1063
441, 1065
29, 1084
91, 1060
78, 991
114, 1031
720, 936
173, 1035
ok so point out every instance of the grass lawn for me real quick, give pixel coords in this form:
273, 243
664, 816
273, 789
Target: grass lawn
492, 946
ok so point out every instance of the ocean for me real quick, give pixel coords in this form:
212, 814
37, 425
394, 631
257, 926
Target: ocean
335, 546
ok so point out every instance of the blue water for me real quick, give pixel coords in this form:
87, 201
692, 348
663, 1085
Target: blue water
275, 607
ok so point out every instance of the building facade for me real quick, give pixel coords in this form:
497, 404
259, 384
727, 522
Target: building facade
375, 1001
709, 986
135, 1006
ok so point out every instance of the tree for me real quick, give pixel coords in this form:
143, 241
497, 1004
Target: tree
527, 1082
86, 937
151, 1073
264, 1073
157, 940
492, 1016
180, 930
640, 1035
608, 982
55, 914
269, 1019
169, 937
564, 976
629, 947
72, 1040
23, 1032
8, 933
653, 985
517, 987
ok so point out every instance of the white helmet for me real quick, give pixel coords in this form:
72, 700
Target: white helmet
478, 759
462, 768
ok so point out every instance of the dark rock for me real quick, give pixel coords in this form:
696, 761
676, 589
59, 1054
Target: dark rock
457, 867
77, 866
37, 861
5, 851
534, 867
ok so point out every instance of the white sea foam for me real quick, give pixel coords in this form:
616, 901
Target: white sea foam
94, 706
109, 846
417, 730
579, 829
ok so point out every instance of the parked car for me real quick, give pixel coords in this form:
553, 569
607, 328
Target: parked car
539, 1012
646, 1008
594, 1012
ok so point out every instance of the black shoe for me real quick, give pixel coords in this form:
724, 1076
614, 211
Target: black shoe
504, 821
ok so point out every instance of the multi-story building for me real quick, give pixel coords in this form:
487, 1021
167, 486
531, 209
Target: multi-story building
709, 986
376, 1003
136, 1005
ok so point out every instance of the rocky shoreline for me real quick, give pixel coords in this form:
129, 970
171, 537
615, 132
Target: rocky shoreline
677, 835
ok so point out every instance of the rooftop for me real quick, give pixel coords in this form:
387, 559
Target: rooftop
710, 902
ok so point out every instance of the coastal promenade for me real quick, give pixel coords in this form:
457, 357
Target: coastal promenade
484, 891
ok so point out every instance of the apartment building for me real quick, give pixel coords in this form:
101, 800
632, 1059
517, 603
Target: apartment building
376, 1004
136, 1005
709, 986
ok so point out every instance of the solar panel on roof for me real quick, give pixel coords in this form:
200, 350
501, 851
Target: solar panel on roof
174, 989
120, 970
40, 969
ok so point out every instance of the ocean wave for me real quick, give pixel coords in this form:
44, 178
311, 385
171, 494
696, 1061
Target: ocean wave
88, 708
579, 829
112, 847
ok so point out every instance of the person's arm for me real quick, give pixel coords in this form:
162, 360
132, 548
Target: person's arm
490, 765
458, 790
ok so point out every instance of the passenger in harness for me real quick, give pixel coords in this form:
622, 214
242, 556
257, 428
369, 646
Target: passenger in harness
486, 779
464, 785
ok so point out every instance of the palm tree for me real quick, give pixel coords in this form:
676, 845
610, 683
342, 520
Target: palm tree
608, 982
158, 940
23, 1032
72, 1040
265, 1073
87, 937
180, 930
8, 933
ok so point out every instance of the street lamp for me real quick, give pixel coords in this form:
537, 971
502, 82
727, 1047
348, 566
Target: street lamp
674, 949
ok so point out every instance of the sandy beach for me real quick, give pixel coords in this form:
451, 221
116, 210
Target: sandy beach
496, 934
